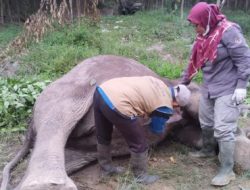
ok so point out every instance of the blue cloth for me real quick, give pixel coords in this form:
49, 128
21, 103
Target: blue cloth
157, 124
105, 98
165, 110
159, 119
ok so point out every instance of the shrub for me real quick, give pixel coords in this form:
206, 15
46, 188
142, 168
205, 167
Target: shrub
61, 50
17, 98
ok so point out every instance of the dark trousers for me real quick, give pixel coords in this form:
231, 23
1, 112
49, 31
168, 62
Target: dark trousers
130, 128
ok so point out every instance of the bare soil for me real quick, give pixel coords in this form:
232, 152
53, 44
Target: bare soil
169, 160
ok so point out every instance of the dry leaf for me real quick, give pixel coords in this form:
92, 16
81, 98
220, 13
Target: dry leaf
172, 160
154, 159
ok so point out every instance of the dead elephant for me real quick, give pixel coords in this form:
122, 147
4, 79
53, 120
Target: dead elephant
62, 131
63, 116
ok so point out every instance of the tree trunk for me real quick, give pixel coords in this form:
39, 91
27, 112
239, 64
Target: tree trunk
218, 3
9, 11
235, 4
149, 4
182, 8
2, 12
247, 3
78, 5
221, 3
55, 4
228, 4
71, 10
18, 10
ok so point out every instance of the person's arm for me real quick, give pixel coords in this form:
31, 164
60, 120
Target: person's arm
184, 77
239, 53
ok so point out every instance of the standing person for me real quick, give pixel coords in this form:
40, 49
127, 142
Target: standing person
221, 52
124, 102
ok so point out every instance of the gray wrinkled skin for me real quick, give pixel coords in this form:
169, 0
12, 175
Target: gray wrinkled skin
62, 130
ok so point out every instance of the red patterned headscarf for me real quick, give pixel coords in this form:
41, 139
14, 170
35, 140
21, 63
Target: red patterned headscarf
205, 46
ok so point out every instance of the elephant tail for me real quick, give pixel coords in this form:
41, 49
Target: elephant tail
22, 153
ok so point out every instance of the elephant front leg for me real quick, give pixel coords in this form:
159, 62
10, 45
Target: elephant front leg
46, 168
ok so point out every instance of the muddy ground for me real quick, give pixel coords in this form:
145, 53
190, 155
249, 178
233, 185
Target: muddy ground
169, 160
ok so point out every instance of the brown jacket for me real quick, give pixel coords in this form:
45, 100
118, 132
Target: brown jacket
137, 96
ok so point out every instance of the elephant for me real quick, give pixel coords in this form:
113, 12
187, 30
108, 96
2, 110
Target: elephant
62, 129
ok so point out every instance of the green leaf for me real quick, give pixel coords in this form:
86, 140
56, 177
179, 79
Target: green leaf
18, 105
31, 88
6, 104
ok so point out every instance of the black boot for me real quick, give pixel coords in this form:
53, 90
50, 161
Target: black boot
208, 147
226, 158
139, 168
105, 161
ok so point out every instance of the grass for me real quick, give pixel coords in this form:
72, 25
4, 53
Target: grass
129, 36
148, 28
7, 33
127, 182
241, 18
61, 50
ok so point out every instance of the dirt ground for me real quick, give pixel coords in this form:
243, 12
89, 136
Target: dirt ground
169, 160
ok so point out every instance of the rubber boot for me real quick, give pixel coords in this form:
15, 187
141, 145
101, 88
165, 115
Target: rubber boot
139, 162
105, 161
226, 158
209, 144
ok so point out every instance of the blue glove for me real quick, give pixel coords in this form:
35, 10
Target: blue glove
157, 124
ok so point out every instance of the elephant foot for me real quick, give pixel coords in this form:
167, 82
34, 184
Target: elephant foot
48, 184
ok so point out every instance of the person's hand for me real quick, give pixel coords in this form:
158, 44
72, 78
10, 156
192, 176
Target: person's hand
239, 95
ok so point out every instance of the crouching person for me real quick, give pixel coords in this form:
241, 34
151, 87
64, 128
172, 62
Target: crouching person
124, 102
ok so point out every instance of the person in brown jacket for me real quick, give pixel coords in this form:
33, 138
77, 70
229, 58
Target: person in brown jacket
123, 102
